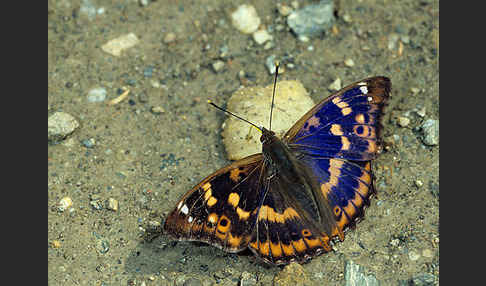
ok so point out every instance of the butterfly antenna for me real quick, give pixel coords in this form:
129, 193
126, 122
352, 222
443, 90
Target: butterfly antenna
277, 64
230, 113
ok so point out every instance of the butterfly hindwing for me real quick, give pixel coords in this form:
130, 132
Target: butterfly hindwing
346, 185
222, 209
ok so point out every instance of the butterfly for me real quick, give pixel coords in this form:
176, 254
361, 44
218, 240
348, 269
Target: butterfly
297, 198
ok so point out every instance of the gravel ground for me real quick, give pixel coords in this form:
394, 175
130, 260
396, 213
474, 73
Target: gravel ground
131, 79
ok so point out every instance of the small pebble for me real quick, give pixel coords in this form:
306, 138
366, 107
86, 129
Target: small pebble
88, 143
101, 244
157, 109
217, 66
418, 183
427, 253
347, 18
95, 202
116, 46
112, 204
430, 129
283, 9
143, 3
403, 121
392, 42
414, 90
248, 279
421, 112
64, 204
55, 244
335, 85
60, 125
262, 36
395, 242
349, 63
245, 19
412, 255
97, 94
169, 38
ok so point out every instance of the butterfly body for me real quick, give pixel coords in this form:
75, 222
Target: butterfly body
303, 191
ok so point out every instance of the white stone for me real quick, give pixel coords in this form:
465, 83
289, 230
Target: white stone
117, 45
262, 36
335, 85
245, 19
253, 103
64, 204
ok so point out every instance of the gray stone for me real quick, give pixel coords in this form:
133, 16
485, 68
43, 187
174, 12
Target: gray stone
424, 279
60, 125
355, 275
96, 95
312, 20
430, 130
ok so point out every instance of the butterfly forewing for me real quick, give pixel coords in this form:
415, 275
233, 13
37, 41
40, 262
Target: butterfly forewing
222, 209
344, 125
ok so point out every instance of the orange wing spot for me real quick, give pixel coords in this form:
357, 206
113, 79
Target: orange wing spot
363, 189
358, 201
371, 146
290, 213
208, 194
305, 232
234, 199
279, 218
325, 189
299, 245
276, 249
271, 214
213, 218
314, 121
243, 215
221, 235
336, 130
262, 215
312, 243
206, 186
336, 100
254, 244
234, 241
337, 211
287, 249
360, 118
235, 175
224, 224
350, 210
342, 105
347, 110
212, 201
264, 248
345, 143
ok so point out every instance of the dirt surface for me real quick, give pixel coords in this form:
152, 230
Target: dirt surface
146, 159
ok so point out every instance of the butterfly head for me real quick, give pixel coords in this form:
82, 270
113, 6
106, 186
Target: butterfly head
268, 136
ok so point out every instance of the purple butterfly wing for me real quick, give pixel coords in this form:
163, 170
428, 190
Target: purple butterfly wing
337, 140
344, 125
